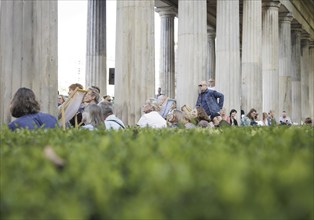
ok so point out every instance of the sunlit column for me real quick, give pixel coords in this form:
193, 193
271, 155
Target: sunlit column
29, 52
166, 62
135, 57
228, 53
252, 56
96, 63
270, 55
285, 63
296, 73
192, 50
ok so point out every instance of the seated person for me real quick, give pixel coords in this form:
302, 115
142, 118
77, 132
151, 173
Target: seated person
26, 109
111, 121
91, 117
151, 117
284, 119
249, 119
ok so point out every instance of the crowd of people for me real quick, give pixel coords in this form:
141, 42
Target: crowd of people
96, 112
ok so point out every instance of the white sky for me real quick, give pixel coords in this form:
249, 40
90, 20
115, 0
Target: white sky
72, 25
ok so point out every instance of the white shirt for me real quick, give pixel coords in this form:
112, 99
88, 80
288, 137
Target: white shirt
152, 119
112, 122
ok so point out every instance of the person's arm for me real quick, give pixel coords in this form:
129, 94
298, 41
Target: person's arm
198, 102
221, 98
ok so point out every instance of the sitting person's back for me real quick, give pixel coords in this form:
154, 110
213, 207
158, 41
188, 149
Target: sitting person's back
111, 121
26, 109
151, 118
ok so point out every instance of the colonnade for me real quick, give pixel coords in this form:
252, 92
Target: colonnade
261, 57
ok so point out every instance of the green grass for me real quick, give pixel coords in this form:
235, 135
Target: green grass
230, 173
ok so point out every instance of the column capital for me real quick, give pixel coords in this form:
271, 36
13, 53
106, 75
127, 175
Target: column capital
168, 11
285, 17
296, 28
311, 43
271, 4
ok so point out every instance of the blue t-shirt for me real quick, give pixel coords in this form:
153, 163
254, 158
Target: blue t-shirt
32, 121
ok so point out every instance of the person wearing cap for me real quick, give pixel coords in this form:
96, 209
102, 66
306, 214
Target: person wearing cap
211, 100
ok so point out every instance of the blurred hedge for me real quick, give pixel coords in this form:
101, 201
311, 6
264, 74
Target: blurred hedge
231, 173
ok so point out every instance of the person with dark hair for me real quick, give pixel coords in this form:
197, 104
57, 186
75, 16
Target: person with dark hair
250, 118
26, 109
232, 118
96, 88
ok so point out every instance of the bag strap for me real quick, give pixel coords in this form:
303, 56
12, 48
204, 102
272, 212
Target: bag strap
117, 123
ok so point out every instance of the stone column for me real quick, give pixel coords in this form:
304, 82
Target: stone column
166, 63
28, 52
228, 53
96, 63
211, 53
285, 63
311, 80
192, 50
135, 58
252, 56
296, 73
270, 55
305, 72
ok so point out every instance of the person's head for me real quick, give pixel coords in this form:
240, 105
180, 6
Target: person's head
159, 91
284, 114
201, 114
24, 103
203, 124
72, 87
264, 116
211, 82
233, 113
271, 113
92, 96
61, 99
252, 114
202, 86
92, 115
308, 121
175, 117
106, 109
223, 112
150, 106
96, 89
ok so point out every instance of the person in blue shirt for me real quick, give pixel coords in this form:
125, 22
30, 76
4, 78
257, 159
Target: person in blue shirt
211, 100
26, 109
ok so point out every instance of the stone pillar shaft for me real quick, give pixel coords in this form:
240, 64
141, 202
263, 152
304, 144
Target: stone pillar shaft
228, 53
96, 63
167, 64
285, 63
135, 71
295, 75
270, 63
211, 56
311, 80
305, 72
252, 56
192, 50
28, 53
